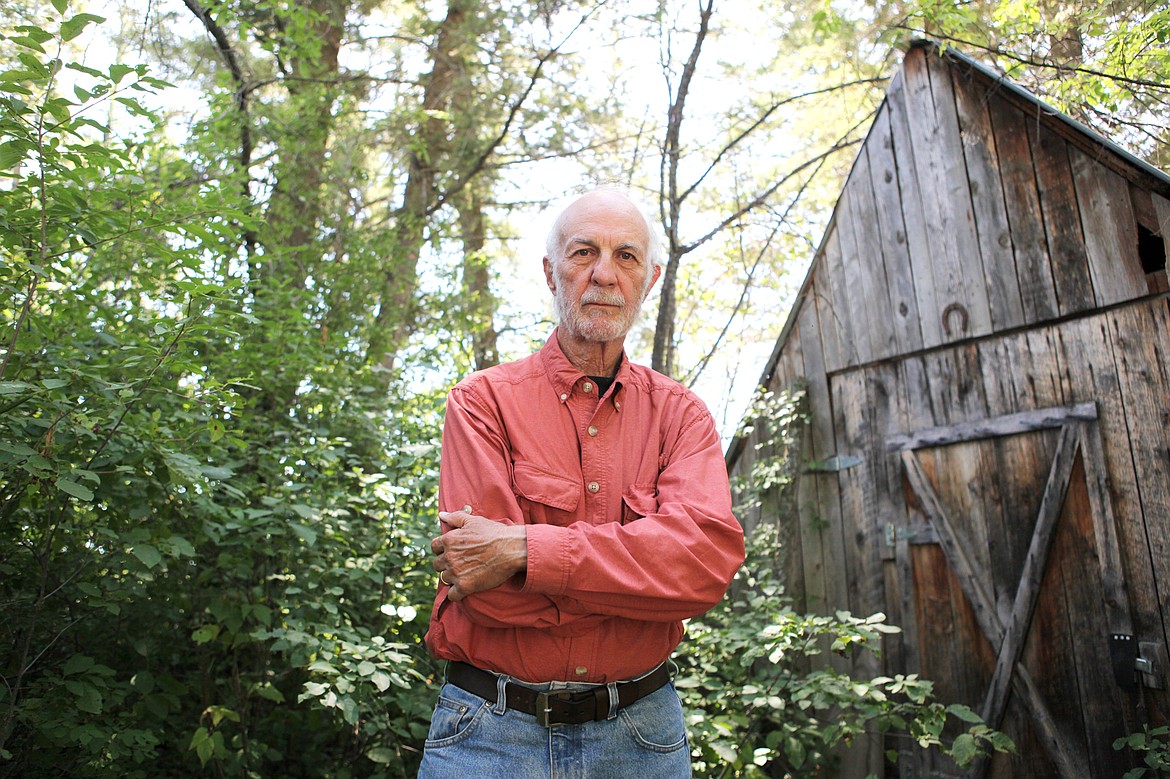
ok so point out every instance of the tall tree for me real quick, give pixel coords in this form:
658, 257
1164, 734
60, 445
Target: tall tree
690, 173
1104, 64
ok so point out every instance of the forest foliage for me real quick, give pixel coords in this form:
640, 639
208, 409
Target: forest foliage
245, 249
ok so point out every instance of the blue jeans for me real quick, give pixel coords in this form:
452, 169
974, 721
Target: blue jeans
471, 737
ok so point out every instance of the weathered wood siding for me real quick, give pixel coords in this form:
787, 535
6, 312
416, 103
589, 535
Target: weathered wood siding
983, 262
967, 214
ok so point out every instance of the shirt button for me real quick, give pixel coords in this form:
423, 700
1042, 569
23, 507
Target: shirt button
581, 670
593, 430
617, 404
588, 387
564, 396
593, 486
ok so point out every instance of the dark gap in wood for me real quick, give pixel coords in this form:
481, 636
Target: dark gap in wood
1151, 250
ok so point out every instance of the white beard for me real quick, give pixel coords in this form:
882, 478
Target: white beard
594, 325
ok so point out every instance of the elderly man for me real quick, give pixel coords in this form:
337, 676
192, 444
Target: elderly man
586, 513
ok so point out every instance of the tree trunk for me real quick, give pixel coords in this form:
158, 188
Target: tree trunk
671, 200
295, 209
397, 312
478, 301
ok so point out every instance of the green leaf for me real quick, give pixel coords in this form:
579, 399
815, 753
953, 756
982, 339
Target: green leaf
262, 613
381, 755
964, 713
270, 693
220, 713
77, 664
119, 72
75, 26
964, 750
365, 668
16, 448
149, 555
143, 682
201, 743
381, 680
13, 387
70, 487
218, 472
12, 153
90, 700
27, 42
89, 476
202, 635
84, 69
349, 710
305, 533
180, 547
60, 5
36, 33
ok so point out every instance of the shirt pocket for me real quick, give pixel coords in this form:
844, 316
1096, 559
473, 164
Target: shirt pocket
639, 500
545, 497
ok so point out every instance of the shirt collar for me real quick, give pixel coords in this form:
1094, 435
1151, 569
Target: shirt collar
564, 376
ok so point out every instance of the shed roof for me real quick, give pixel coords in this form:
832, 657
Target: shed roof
1161, 178
1096, 146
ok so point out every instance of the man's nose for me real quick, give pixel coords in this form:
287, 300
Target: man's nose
604, 270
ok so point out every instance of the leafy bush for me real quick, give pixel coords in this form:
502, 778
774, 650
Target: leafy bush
755, 708
213, 517
1155, 745
761, 701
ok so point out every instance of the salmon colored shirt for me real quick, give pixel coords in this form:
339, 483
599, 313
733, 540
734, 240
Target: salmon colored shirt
626, 499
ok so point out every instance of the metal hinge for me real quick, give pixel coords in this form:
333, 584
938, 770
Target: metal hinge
1138, 661
834, 464
1151, 664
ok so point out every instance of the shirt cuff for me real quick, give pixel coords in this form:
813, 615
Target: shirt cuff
548, 559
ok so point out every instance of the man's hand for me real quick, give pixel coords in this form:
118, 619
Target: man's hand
478, 554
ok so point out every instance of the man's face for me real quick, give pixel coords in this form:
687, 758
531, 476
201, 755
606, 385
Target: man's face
600, 274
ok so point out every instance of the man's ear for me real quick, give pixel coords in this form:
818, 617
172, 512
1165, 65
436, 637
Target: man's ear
653, 281
548, 276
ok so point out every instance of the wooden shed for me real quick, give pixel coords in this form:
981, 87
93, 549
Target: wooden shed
983, 337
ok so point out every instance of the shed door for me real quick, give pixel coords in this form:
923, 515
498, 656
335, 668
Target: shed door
1017, 590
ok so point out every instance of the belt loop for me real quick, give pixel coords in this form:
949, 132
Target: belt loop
501, 695
611, 688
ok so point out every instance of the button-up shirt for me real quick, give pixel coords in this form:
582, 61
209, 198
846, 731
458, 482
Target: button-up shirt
626, 499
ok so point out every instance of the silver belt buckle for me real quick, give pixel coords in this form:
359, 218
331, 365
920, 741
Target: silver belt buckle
543, 709
544, 706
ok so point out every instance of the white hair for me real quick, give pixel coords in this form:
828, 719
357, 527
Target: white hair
554, 242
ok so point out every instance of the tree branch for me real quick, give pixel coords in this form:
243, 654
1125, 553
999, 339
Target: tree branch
513, 111
697, 371
1033, 62
761, 198
669, 201
224, 46
734, 142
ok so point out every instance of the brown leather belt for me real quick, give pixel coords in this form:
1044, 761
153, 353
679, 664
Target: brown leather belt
556, 707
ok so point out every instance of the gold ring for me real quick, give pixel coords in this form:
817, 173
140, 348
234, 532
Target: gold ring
443, 578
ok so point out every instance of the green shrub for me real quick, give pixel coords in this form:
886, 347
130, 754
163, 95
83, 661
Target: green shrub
761, 698
1155, 746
